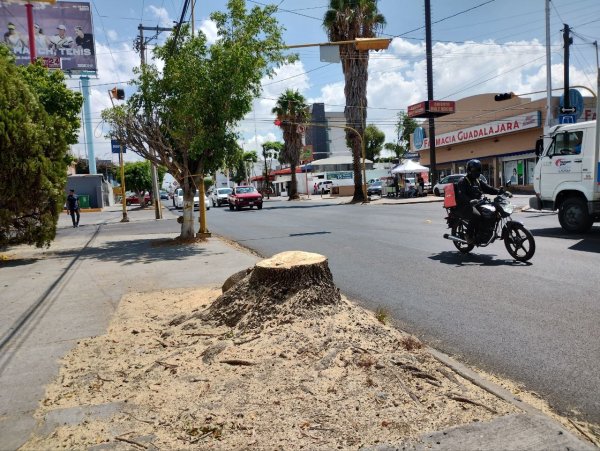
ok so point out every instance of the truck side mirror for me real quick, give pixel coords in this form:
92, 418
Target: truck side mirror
539, 147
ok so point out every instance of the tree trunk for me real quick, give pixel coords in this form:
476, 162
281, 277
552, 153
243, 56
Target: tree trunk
294, 183
187, 227
355, 66
280, 289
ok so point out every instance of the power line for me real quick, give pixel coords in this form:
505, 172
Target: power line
447, 17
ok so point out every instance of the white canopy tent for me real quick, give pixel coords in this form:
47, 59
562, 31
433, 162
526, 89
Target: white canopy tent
409, 167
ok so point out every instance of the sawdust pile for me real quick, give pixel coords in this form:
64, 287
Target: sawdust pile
187, 370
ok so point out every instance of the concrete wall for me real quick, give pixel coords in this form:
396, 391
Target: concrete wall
88, 184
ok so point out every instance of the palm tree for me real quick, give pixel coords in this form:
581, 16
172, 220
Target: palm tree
291, 109
344, 21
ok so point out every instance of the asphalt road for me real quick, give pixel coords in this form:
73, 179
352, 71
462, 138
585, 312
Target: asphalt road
536, 324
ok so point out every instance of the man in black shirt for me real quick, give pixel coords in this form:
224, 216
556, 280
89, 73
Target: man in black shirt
73, 207
469, 188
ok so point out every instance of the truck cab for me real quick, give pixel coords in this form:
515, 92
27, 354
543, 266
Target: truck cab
567, 175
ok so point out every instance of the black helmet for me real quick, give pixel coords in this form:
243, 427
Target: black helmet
474, 169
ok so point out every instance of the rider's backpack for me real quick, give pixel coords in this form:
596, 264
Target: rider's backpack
449, 196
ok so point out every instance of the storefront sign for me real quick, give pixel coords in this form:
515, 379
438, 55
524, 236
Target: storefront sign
416, 109
442, 106
339, 175
500, 127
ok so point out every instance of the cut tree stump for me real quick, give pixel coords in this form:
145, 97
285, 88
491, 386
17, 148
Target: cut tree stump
281, 288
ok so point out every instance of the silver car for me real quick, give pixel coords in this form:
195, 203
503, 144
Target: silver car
438, 189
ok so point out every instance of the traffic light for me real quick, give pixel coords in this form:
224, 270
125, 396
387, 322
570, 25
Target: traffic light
277, 122
503, 96
118, 94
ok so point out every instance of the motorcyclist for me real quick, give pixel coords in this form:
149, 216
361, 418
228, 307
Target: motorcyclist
469, 190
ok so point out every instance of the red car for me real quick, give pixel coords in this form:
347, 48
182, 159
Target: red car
133, 199
244, 196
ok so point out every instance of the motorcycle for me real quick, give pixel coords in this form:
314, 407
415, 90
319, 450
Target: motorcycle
496, 223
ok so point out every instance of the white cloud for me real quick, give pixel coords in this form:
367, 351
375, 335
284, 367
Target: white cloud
209, 28
162, 15
115, 66
112, 35
259, 122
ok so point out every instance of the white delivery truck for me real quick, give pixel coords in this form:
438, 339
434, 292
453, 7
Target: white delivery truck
567, 175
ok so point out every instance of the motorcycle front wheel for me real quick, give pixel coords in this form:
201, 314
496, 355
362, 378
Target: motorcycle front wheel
519, 242
459, 231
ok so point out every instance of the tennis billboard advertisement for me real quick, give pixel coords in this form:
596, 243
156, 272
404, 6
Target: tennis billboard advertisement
64, 34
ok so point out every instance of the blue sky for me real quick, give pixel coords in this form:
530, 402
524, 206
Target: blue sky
479, 46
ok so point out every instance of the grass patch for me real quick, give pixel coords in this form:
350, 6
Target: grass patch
382, 315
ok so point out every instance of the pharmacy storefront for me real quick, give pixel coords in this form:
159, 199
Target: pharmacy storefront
506, 148
500, 134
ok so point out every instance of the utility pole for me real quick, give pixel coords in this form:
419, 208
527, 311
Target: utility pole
141, 46
430, 90
567, 40
549, 115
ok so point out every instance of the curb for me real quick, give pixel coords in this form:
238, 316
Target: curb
502, 393
87, 210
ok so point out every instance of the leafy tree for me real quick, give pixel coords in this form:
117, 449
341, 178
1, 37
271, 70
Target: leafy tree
404, 128
270, 152
291, 109
82, 166
243, 166
138, 178
249, 159
38, 121
185, 116
348, 20
396, 149
374, 139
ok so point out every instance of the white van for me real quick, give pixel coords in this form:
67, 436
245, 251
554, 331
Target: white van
567, 175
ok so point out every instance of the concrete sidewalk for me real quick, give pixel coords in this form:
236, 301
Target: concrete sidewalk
57, 296
521, 201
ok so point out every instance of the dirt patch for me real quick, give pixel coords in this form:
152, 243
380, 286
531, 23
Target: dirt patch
340, 380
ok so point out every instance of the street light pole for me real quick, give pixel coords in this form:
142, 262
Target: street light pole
153, 170
122, 166
123, 195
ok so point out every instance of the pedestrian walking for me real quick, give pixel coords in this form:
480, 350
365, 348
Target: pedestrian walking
73, 207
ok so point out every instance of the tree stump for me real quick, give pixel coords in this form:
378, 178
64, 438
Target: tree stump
286, 286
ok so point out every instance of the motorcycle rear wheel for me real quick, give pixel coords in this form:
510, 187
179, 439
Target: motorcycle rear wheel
459, 231
519, 242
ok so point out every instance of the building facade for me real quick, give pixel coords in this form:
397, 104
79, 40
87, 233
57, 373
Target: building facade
328, 136
500, 134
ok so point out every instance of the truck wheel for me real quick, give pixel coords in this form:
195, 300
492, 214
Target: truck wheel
573, 216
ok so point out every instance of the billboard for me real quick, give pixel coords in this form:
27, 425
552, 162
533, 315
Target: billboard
63, 31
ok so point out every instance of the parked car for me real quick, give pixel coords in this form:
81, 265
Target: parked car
164, 195
132, 198
324, 186
219, 196
375, 188
244, 196
178, 199
438, 189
